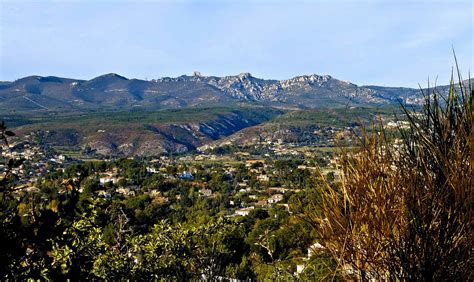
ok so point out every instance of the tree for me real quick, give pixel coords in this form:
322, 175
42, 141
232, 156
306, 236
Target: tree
172, 251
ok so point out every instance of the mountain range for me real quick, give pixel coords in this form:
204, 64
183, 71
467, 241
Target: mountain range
114, 115
36, 94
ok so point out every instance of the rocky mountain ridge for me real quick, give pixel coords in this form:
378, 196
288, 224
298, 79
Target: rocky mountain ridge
115, 92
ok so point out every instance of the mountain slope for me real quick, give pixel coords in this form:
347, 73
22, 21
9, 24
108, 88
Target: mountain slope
37, 94
144, 133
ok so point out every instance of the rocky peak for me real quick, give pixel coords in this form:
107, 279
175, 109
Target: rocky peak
244, 75
305, 80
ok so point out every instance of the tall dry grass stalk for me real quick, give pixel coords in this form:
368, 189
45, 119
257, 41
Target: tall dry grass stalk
405, 210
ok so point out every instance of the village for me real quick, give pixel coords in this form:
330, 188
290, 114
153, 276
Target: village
241, 182
259, 176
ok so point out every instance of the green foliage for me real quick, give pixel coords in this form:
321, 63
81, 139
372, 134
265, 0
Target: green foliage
333, 117
168, 251
163, 229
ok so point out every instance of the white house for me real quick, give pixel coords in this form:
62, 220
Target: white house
244, 211
107, 179
263, 178
152, 170
275, 198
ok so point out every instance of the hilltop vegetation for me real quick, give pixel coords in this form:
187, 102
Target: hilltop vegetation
140, 133
144, 133
309, 127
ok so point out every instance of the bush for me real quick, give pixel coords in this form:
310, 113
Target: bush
403, 209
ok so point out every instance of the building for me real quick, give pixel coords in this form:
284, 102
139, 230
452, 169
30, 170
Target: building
275, 198
280, 190
263, 178
244, 211
152, 170
125, 191
107, 179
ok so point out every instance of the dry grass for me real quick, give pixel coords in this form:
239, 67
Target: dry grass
405, 210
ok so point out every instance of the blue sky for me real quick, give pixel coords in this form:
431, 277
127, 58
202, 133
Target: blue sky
392, 43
